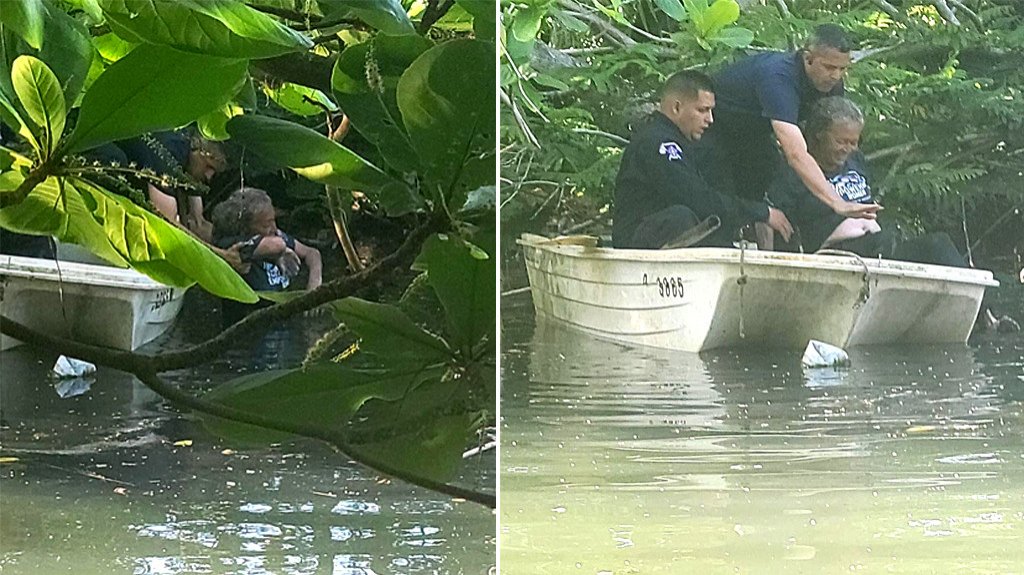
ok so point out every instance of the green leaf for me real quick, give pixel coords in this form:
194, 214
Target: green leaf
734, 36
611, 13
224, 28
318, 158
483, 12
464, 280
213, 126
674, 9
145, 92
388, 16
11, 116
300, 100
697, 10
41, 213
527, 21
719, 15
374, 111
388, 333
433, 450
111, 47
41, 96
447, 102
323, 395
65, 48
25, 17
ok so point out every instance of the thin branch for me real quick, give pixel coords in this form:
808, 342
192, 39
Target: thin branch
607, 29
946, 12
613, 137
255, 322
435, 10
970, 13
151, 380
888, 8
784, 9
891, 151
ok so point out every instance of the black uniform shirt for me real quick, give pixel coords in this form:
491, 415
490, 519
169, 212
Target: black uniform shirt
661, 168
752, 92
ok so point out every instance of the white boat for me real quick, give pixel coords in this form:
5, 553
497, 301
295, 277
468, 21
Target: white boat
693, 299
96, 304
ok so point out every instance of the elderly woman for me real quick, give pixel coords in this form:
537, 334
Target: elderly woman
833, 128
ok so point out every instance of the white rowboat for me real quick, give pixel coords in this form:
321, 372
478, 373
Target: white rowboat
693, 299
100, 305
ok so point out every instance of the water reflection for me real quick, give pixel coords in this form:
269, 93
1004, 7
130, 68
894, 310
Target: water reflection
114, 481
635, 460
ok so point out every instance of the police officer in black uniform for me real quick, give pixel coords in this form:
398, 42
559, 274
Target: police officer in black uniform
661, 189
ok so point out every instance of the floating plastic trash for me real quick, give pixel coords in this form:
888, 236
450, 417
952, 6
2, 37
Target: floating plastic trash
70, 367
821, 354
73, 387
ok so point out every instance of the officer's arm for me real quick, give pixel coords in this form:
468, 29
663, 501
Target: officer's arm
794, 148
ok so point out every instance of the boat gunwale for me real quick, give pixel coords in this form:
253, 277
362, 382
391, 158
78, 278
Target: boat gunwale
757, 258
76, 273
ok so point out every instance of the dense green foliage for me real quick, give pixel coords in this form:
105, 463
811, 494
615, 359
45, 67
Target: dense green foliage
416, 79
941, 84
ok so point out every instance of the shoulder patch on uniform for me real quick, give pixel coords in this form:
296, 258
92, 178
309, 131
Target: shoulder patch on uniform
671, 150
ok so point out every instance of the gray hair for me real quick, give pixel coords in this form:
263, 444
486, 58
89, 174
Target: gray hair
233, 216
828, 111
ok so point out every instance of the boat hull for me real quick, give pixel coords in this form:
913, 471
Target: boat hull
694, 299
95, 304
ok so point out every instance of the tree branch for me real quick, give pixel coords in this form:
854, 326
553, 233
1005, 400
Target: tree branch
435, 10
151, 380
946, 12
889, 9
254, 323
607, 29
305, 68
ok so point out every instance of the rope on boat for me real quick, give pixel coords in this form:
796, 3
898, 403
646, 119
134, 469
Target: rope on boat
865, 290
742, 281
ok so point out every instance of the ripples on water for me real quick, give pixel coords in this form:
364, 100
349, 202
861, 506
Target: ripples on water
633, 460
99, 487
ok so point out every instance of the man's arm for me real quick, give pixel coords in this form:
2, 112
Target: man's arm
794, 148
311, 257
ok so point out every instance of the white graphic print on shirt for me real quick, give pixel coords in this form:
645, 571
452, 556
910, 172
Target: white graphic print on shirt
852, 187
275, 277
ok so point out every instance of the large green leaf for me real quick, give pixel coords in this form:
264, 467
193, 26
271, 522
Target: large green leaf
153, 88
320, 159
374, 111
121, 232
65, 48
26, 18
674, 9
719, 15
734, 36
41, 96
463, 276
225, 28
388, 16
447, 102
526, 22
10, 115
483, 12
432, 450
300, 100
41, 213
326, 393
387, 332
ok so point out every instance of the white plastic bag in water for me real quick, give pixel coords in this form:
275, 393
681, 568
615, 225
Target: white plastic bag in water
70, 367
821, 354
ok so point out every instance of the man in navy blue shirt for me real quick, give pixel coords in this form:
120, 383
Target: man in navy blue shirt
661, 189
761, 99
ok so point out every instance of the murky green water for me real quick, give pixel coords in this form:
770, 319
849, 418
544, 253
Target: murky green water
623, 460
100, 487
